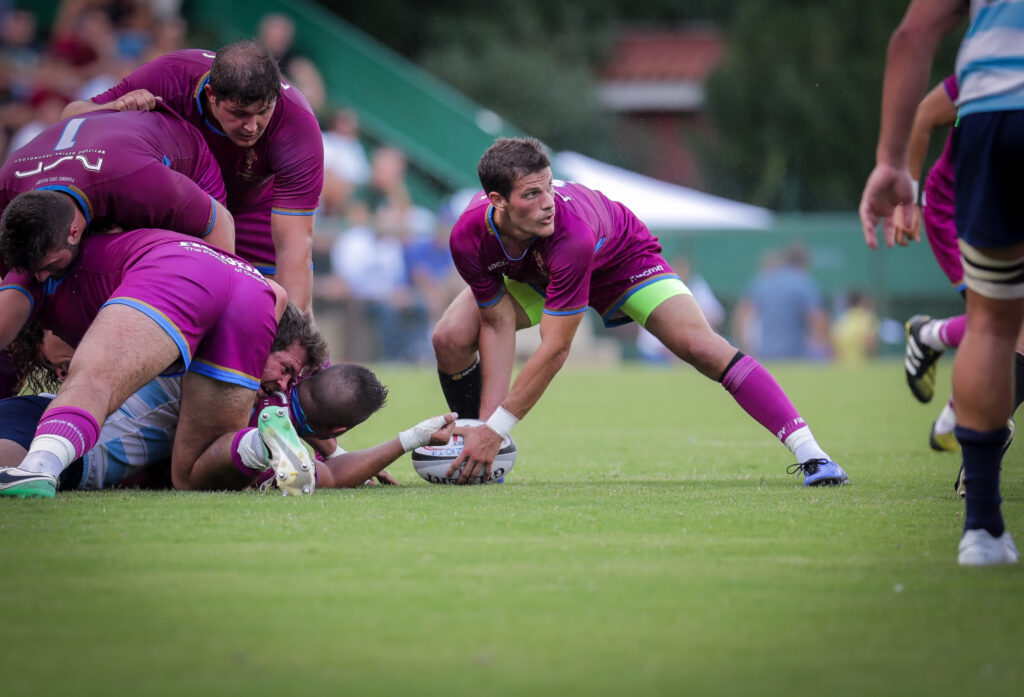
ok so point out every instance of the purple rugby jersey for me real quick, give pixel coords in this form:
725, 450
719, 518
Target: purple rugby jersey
599, 254
136, 169
218, 309
937, 209
282, 173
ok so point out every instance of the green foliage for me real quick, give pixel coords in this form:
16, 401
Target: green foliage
648, 542
796, 103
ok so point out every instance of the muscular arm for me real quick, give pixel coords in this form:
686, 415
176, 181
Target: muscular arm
222, 235
909, 57
556, 334
293, 248
497, 352
349, 470
481, 443
15, 309
136, 100
935, 111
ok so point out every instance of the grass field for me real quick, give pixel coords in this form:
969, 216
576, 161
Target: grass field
648, 542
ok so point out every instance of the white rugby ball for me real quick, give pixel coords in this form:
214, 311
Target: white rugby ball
432, 461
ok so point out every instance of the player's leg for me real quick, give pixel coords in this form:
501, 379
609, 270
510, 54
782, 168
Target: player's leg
122, 351
983, 392
222, 452
456, 339
673, 316
927, 339
19, 417
212, 413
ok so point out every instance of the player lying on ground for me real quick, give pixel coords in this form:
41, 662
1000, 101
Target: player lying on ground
132, 307
538, 251
135, 441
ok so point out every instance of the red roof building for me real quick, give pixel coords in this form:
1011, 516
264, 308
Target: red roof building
655, 80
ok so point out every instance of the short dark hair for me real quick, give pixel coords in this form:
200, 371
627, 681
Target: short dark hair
245, 73
345, 394
33, 225
507, 160
297, 327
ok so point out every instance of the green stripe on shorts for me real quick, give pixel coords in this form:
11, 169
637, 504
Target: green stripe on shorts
642, 302
637, 306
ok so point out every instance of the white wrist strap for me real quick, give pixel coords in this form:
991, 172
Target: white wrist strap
917, 189
502, 421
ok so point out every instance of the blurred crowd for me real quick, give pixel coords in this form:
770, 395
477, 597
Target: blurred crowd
383, 272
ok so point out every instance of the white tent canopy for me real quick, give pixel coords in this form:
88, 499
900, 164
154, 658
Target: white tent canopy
661, 205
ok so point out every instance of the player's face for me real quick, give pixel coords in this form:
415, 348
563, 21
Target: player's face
530, 206
55, 264
282, 368
242, 124
56, 354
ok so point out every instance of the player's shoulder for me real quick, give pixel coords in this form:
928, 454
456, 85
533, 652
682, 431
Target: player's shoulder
474, 215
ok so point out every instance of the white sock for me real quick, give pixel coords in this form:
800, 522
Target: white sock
252, 451
930, 335
802, 444
48, 454
947, 419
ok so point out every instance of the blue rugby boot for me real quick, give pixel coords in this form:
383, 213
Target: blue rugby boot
820, 472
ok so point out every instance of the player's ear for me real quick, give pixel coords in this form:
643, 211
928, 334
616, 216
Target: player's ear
497, 200
75, 232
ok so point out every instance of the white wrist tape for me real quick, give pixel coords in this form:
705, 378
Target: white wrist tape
419, 435
502, 421
917, 189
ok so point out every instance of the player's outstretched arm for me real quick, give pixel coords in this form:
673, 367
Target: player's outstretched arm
136, 100
348, 470
483, 442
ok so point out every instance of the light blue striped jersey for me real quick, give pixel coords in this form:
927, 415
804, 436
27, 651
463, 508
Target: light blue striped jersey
990, 64
139, 433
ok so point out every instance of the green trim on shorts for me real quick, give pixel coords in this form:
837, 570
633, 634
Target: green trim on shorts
644, 300
528, 298
638, 306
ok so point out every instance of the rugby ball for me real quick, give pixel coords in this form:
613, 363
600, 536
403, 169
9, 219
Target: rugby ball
432, 461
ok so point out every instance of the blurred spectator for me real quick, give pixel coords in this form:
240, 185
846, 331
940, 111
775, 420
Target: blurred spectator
652, 350
431, 271
20, 51
345, 163
781, 315
169, 34
855, 331
385, 187
277, 32
46, 105
369, 265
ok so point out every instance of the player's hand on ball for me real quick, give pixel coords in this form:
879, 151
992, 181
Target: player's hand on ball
480, 447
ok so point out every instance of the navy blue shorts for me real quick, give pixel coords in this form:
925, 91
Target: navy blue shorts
988, 151
19, 417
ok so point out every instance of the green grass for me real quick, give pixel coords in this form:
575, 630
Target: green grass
647, 542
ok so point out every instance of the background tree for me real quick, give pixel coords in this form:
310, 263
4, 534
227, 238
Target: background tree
794, 107
796, 103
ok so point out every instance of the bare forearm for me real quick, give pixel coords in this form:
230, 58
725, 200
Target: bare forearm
497, 354
908, 61
349, 470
